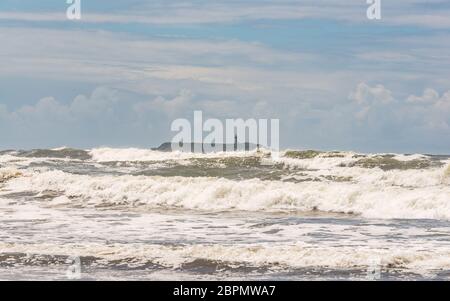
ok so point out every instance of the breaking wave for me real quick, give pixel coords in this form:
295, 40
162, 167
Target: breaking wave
293, 256
370, 185
8, 173
295, 212
373, 196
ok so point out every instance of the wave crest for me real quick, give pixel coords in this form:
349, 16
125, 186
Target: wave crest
294, 256
366, 199
9, 173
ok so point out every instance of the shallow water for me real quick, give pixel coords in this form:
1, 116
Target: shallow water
139, 214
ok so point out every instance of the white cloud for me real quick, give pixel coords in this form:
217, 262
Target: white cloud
98, 105
171, 107
429, 110
230, 78
102, 57
434, 109
208, 12
241, 71
444, 102
101, 101
366, 95
45, 110
95, 45
430, 96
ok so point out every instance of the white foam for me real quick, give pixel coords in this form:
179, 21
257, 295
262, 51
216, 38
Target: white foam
412, 157
8, 173
12, 160
339, 167
297, 255
135, 155
319, 162
8, 158
370, 199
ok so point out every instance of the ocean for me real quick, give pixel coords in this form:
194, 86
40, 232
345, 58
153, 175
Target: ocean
137, 214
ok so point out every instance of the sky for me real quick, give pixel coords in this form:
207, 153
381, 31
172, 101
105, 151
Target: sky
119, 76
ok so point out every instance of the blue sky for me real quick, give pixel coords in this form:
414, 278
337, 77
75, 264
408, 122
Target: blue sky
120, 75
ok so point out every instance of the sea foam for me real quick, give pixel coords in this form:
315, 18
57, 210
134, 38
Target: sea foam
370, 199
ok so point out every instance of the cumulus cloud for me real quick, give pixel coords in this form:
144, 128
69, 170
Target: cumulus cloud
429, 110
108, 115
104, 117
99, 104
366, 95
170, 107
224, 72
433, 107
429, 97
45, 110
433, 99
56, 123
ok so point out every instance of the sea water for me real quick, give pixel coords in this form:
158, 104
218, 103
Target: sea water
137, 214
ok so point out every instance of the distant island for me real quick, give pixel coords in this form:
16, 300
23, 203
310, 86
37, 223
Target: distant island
167, 147
192, 146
